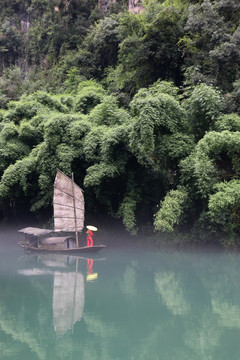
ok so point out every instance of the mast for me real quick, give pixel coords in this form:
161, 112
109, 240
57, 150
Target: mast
75, 215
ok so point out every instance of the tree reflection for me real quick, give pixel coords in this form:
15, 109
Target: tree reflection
128, 283
171, 292
17, 328
229, 314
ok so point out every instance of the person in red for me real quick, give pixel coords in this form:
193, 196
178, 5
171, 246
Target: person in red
89, 238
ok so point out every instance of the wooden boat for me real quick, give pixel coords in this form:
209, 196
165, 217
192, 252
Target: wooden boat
68, 205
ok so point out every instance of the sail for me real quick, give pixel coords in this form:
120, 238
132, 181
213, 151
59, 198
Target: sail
68, 204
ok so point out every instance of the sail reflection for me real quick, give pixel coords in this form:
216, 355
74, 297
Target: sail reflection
68, 300
68, 287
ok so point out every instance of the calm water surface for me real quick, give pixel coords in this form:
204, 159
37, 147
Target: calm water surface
126, 303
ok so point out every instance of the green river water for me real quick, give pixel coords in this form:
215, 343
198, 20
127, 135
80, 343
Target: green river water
126, 303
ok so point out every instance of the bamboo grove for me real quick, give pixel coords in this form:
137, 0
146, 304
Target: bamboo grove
143, 108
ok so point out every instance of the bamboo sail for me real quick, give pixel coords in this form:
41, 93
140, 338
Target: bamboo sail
68, 204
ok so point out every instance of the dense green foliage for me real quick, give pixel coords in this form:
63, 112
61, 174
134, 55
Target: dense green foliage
143, 108
171, 210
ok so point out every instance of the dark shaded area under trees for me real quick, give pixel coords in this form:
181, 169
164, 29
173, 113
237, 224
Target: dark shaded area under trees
144, 108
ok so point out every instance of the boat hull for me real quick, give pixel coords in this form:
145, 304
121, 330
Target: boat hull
79, 250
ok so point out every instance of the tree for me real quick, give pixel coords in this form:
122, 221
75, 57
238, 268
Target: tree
211, 41
204, 106
159, 120
224, 207
171, 211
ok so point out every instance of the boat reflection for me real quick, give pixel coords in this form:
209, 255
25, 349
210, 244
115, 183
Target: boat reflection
68, 285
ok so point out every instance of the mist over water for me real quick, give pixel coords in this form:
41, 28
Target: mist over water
127, 302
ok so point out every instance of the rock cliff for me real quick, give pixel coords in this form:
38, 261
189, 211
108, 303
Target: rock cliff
134, 6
